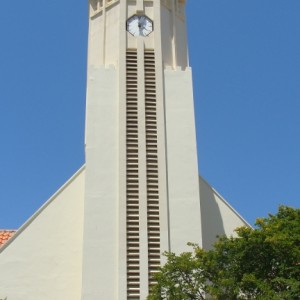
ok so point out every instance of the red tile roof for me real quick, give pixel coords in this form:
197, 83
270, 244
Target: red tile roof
5, 235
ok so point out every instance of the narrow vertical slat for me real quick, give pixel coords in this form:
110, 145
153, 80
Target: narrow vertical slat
132, 178
152, 166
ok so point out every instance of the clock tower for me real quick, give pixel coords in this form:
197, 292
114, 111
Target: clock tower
142, 186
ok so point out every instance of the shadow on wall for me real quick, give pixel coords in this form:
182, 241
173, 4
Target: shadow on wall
211, 216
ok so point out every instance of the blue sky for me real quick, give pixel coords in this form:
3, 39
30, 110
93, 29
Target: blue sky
245, 56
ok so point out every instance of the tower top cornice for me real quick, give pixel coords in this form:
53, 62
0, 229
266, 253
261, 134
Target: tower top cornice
99, 5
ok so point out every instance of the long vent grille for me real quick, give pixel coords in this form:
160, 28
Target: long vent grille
132, 175
152, 166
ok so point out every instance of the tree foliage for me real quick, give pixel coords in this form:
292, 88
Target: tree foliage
261, 263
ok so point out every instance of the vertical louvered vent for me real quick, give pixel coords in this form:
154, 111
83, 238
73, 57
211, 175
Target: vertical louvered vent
132, 172
132, 181
152, 166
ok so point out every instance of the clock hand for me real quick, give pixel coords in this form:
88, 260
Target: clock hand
141, 27
140, 23
141, 31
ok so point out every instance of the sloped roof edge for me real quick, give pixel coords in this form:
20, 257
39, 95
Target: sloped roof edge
41, 209
225, 202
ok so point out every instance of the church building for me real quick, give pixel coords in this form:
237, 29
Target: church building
102, 234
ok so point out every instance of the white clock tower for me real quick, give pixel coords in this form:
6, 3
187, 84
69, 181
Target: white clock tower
102, 234
142, 186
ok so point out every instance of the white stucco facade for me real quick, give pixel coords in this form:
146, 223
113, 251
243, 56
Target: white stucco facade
102, 235
218, 216
43, 260
183, 185
101, 189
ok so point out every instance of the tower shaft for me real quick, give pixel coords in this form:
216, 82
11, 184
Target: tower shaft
141, 190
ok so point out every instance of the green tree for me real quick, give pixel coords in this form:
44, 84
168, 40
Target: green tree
261, 263
182, 277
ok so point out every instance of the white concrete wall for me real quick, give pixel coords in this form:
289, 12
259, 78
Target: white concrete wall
183, 185
181, 43
100, 249
166, 36
104, 33
112, 31
43, 260
218, 217
173, 38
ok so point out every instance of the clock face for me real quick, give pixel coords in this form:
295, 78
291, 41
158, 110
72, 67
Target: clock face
139, 25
